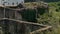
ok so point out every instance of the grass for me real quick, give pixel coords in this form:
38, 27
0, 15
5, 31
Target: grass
32, 4
52, 19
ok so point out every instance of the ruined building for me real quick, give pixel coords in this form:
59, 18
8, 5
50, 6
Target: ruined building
18, 20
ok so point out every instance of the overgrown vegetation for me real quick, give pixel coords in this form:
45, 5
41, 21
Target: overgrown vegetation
29, 15
53, 18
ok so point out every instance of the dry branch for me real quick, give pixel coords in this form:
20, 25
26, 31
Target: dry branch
42, 29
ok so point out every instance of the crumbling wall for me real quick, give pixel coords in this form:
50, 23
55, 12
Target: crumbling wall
31, 15
9, 13
1, 13
11, 27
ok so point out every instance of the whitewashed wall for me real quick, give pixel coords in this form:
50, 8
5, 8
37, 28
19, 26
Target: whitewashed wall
10, 2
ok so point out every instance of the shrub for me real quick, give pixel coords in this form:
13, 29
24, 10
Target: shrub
57, 10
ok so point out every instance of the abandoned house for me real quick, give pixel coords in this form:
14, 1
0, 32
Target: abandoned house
19, 20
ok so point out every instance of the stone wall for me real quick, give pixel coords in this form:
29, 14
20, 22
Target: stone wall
9, 13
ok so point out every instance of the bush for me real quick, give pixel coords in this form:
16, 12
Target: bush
57, 10
58, 4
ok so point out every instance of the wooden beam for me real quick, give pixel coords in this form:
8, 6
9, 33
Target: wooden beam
17, 9
22, 21
46, 27
42, 29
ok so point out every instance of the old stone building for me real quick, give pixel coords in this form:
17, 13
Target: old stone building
17, 17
